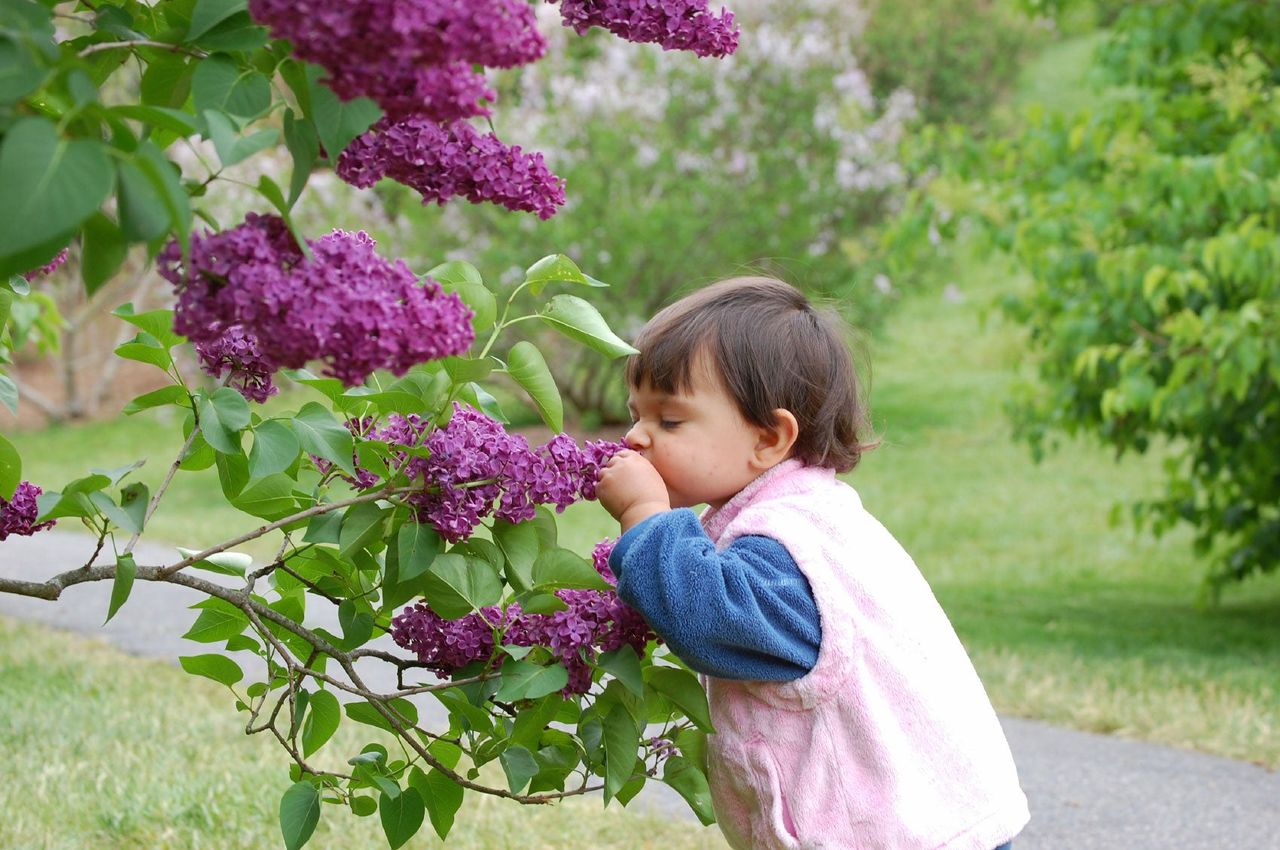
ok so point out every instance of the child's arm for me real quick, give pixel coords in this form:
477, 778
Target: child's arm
746, 612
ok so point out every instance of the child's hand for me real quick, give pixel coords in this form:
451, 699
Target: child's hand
631, 489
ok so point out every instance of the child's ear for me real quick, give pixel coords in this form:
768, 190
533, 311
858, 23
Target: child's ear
774, 444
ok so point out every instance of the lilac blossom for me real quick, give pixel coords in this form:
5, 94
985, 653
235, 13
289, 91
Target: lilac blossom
674, 24
414, 57
18, 514
348, 307
593, 622
47, 268
441, 161
238, 355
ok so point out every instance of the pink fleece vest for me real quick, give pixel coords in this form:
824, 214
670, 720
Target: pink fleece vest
890, 742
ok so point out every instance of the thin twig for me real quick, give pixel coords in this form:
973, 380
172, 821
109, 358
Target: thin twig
141, 42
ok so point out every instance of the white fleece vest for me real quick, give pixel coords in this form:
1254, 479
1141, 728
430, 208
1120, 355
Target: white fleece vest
890, 742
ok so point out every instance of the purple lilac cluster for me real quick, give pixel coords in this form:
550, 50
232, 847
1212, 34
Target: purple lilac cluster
674, 24
47, 268
444, 160
18, 515
238, 354
476, 468
250, 298
593, 622
414, 57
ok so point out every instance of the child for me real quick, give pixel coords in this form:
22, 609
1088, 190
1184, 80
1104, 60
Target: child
847, 713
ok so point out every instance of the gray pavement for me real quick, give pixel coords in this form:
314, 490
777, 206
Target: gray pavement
1087, 791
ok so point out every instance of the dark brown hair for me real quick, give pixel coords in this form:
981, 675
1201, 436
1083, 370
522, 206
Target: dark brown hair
770, 348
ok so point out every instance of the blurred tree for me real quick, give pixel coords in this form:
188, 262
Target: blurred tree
1150, 226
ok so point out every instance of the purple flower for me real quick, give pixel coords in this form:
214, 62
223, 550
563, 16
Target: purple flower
674, 24
238, 353
347, 307
593, 622
441, 161
414, 57
18, 515
476, 468
47, 268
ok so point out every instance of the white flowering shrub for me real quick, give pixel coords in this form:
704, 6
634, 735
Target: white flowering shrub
681, 170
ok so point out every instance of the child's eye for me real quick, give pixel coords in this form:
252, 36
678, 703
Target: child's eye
668, 424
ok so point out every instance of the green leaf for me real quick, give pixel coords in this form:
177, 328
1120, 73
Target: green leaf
104, 250
174, 120
220, 668
48, 184
624, 665
10, 469
357, 625
269, 498
556, 268
443, 797
464, 370
323, 716
683, 689
324, 528
144, 348
525, 680
363, 712
621, 737
172, 394
209, 13
401, 816
455, 586
223, 563
156, 323
144, 215
133, 501
304, 145
165, 178
560, 568
337, 122
577, 319
519, 545
299, 814
479, 398
220, 83
167, 81
520, 766
527, 367
464, 279
690, 783
275, 448
112, 511
219, 620
322, 435
232, 147
122, 585
361, 526
222, 416
418, 544
9, 394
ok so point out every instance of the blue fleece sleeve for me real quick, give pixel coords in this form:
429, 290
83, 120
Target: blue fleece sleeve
743, 613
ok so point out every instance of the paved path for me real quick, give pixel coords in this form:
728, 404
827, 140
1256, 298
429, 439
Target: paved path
1087, 792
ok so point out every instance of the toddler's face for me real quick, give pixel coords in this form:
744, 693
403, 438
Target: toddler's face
697, 440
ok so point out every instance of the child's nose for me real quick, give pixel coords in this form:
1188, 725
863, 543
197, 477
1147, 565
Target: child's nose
636, 438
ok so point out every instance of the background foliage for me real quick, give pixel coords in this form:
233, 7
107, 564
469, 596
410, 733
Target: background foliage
1150, 223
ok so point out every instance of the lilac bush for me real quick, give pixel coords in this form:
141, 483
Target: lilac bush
369, 495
